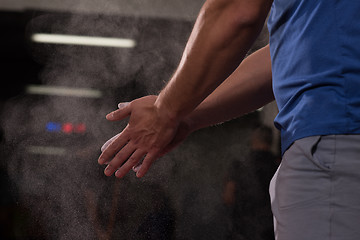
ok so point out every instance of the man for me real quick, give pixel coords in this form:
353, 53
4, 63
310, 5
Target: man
315, 73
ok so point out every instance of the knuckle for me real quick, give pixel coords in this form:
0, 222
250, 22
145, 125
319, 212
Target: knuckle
105, 156
155, 150
132, 160
110, 166
131, 104
119, 156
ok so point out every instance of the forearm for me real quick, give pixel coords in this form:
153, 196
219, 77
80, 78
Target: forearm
217, 45
221, 37
247, 89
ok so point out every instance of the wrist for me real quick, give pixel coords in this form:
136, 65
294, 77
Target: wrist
166, 110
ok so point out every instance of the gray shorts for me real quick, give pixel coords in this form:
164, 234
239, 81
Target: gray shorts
315, 193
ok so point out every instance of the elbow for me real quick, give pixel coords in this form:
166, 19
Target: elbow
239, 13
248, 17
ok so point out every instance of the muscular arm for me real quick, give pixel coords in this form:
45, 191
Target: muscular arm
223, 33
247, 89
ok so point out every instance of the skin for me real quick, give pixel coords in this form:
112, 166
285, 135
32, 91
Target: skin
209, 86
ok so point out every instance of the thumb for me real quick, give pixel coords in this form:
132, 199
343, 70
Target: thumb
123, 111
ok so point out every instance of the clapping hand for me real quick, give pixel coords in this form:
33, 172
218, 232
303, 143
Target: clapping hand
149, 134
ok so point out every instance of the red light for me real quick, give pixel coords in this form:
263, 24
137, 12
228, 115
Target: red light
67, 128
80, 128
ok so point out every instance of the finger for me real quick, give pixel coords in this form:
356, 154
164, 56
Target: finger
108, 142
123, 112
133, 161
146, 164
113, 148
119, 159
136, 167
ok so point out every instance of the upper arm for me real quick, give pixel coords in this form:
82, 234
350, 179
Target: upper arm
241, 12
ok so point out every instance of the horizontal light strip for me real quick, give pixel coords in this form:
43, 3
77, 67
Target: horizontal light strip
83, 40
63, 91
46, 150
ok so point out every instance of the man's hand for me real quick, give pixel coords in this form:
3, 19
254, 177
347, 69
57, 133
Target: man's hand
148, 135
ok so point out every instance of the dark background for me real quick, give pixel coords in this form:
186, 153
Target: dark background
65, 195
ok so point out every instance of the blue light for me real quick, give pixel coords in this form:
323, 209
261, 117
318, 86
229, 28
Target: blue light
53, 127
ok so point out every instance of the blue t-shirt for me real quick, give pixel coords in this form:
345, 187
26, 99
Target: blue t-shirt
315, 54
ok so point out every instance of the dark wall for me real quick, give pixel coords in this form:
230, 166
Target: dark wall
63, 194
